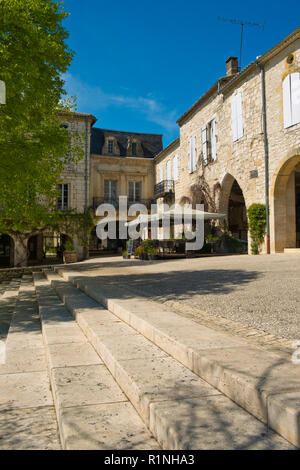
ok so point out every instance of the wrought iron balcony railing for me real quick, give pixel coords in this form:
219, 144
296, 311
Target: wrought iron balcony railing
115, 202
163, 187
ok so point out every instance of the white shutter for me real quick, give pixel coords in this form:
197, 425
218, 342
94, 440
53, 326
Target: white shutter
161, 173
239, 114
194, 153
295, 97
287, 109
191, 154
213, 140
234, 119
175, 167
169, 177
204, 144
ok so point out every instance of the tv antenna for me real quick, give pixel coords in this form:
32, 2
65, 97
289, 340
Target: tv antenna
242, 23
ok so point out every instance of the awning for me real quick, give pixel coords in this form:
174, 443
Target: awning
176, 213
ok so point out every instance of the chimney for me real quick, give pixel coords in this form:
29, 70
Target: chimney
232, 66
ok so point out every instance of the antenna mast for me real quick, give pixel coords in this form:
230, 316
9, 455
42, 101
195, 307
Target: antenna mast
242, 23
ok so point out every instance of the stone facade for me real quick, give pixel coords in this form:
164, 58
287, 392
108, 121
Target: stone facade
243, 161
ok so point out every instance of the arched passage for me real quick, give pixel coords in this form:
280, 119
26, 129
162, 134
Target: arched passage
6, 251
286, 205
233, 204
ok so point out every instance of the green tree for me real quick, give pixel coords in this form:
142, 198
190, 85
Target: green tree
34, 147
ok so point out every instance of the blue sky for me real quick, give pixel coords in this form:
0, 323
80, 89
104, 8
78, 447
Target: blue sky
139, 64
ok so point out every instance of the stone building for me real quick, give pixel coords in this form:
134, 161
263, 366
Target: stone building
114, 164
240, 144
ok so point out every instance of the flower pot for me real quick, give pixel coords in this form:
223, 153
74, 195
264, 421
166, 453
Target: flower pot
69, 257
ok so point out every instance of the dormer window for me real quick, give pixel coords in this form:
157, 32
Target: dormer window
111, 146
134, 149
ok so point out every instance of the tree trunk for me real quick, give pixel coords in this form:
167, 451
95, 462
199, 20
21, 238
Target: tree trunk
20, 252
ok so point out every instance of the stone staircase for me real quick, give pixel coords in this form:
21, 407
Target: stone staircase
185, 400
125, 374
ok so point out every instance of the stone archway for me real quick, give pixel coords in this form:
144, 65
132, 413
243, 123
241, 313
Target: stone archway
6, 251
285, 192
232, 203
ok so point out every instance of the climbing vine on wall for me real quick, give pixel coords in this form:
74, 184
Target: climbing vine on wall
257, 226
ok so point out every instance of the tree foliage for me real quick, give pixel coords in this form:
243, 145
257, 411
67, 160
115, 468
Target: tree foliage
34, 147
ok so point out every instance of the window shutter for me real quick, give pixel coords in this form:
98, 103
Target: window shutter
204, 144
233, 119
131, 191
190, 155
161, 173
169, 177
175, 167
295, 97
138, 191
287, 109
194, 153
213, 140
239, 115
106, 189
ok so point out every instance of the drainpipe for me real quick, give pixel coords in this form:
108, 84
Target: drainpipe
86, 185
266, 148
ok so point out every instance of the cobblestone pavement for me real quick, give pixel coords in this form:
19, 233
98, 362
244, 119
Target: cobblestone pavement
253, 296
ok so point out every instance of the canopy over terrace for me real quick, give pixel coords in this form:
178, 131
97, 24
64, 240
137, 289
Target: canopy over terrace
177, 215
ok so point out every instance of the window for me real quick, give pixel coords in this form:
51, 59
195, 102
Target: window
291, 99
237, 117
192, 153
134, 148
175, 167
111, 146
110, 191
135, 191
63, 198
209, 142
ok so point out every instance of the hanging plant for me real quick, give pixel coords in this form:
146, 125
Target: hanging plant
257, 226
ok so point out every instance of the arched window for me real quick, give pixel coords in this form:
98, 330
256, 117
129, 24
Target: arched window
291, 99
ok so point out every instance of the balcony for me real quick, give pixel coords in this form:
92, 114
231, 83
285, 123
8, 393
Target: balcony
163, 188
115, 202
105, 200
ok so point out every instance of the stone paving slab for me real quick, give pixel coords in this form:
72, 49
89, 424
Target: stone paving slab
63, 333
71, 355
105, 427
24, 390
24, 360
84, 385
29, 429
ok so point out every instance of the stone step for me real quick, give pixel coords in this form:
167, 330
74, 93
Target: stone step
27, 415
181, 410
263, 383
292, 250
92, 411
8, 296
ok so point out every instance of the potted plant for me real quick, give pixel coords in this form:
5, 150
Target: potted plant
125, 255
138, 252
69, 253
